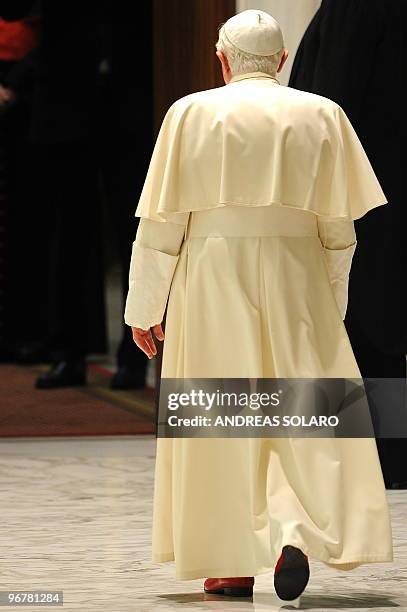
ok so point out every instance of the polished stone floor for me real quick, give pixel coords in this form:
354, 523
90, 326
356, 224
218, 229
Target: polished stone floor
75, 515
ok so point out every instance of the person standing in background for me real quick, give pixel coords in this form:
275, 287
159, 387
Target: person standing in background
18, 47
92, 124
354, 53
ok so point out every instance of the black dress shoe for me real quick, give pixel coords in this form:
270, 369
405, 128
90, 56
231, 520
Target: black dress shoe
127, 378
63, 374
291, 574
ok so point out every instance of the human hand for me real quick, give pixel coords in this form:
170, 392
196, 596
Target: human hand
144, 339
6, 95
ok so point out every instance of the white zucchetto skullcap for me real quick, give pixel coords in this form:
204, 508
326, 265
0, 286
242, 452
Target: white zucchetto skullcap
254, 31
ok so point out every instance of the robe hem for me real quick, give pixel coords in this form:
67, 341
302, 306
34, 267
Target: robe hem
351, 215
357, 561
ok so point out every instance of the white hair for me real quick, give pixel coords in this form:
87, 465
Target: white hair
241, 62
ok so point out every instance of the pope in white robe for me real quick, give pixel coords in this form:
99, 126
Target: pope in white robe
246, 236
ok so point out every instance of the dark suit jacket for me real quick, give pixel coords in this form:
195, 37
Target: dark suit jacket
354, 52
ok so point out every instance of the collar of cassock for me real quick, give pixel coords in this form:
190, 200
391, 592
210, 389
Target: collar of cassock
254, 75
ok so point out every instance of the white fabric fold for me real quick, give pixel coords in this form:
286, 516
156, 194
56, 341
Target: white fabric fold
253, 143
150, 277
269, 299
339, 263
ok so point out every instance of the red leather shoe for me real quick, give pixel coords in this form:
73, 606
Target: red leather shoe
291, 573
234, 587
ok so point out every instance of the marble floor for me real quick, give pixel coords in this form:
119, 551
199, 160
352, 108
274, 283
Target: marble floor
75, 515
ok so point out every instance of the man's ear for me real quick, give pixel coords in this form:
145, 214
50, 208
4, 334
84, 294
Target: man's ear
282, 60
227, 74
223, 60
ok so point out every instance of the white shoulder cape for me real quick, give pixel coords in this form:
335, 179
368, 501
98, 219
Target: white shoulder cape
255, 142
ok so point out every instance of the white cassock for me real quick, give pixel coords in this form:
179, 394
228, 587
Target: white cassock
247, 230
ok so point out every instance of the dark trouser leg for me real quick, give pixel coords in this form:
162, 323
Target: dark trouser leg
70, 175
374, 363
124, 174
27, 232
